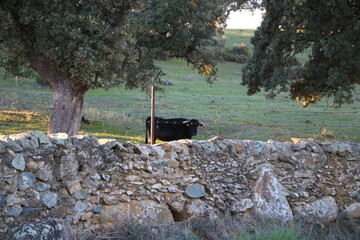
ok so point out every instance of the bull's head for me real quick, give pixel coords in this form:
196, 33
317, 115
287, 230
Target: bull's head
193, 124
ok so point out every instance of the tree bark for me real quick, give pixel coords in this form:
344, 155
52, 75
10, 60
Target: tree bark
68, 100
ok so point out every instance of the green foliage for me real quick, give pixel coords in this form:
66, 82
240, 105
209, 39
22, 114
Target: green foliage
108, 43
330, 28
241, 49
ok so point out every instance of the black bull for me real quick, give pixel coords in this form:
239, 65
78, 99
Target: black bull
172, 128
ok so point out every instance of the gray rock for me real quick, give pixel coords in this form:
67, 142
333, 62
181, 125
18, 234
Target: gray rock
241, 206
80, 207
44, 173
96, 177
46, 229
97, 208
139, 211
62, 140
31, 212
25, 181
269, 199
9, 143
43, 140
197, 208
324, 210
353, 211
42, 187
12, 200
2, 201
2, 148
18, 162
195, 191
69, 167
357, 198
3, 228
49, 199
25, 140
13, 212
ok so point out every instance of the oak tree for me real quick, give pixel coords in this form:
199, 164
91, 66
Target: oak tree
77, 45
329, 29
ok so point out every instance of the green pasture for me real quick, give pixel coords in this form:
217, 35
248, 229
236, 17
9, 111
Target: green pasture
223, 107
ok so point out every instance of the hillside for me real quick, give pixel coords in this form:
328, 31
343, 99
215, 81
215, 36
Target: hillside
223, 106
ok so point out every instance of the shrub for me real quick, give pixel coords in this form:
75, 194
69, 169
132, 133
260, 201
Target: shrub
241, 49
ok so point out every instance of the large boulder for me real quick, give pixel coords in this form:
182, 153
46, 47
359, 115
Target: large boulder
269, 199
323, 210
138, 211
46, 229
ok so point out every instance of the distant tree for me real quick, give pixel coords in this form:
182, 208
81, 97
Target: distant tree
330, 28
77, 45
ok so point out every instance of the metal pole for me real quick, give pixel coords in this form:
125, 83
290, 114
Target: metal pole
152, 115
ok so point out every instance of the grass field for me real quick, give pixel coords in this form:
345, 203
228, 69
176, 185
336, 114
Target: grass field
223, 106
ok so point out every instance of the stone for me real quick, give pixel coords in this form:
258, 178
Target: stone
45, 229
69, 167
124, 198
173, 163
195, 191
44, 173
43, 139
97, 208
3, 228
177, 207
353, 211
110, 200
42, 187
157, 186
32, 165
18, 162
12, 200
269, 198
7, 142
62, 140
25, 140
2, 148
25, 180
13, 212
132, 147
96, 177
87, 216
2, 201
80, 207
241, 206
111, 144
139, 211
197, 208
31, 212
323, 210
49, 199
357, 198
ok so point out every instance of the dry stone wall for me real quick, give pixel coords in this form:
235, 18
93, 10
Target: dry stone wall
89, 184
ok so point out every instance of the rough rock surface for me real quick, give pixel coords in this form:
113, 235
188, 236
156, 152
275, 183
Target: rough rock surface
269, 199
91, 183
324, 210
47, 229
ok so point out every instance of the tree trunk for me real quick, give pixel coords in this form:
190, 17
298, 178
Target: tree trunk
68, 100
67, 110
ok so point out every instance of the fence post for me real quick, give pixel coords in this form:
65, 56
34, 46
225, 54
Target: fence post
152, 115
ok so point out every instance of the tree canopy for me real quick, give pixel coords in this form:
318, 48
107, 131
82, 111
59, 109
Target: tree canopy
329, 28
76, 45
